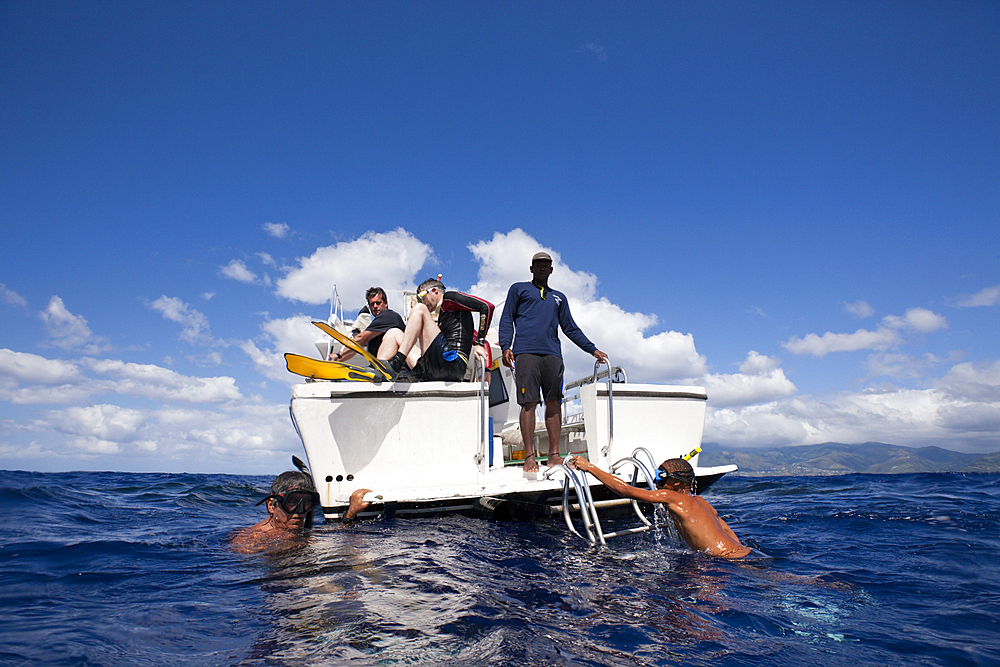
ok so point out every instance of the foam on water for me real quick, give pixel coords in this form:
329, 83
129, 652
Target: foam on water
122, 569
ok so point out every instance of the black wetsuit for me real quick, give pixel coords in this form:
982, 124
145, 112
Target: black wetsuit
447, 357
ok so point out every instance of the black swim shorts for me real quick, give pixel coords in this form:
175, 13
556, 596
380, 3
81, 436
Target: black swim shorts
440, 363
537, 371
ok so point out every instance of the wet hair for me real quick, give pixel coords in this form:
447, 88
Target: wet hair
678, 469
429, 283
372, 291
290, 481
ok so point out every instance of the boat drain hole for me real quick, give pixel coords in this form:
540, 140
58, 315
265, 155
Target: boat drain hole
350, 478
329, 478
340, 478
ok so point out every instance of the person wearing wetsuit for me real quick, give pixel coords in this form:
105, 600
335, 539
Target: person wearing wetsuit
445, 344
536, 313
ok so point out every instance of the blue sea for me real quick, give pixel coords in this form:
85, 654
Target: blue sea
135, 569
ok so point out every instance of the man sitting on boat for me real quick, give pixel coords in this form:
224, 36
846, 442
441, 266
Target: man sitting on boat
698, 524
383, 320
446, 343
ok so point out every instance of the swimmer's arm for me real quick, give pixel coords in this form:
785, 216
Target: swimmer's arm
616, 484
356, 504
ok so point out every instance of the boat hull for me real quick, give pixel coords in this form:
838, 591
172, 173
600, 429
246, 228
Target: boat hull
431, 448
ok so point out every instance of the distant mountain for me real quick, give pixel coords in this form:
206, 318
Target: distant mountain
835, 458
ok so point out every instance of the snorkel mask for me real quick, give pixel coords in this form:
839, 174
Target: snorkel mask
295, 501
662, 475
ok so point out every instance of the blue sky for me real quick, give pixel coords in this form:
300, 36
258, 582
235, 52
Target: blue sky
796, 205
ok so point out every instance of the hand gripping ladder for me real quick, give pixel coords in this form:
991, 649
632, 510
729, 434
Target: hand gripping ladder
588, 507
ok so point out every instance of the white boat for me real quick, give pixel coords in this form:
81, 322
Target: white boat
438, 447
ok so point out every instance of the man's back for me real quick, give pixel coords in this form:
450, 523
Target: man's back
699, 525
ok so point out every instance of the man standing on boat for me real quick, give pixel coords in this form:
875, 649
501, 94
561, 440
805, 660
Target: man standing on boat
445, 344
383, 320
536, 313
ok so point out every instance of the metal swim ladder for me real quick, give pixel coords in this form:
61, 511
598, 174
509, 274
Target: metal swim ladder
588, 507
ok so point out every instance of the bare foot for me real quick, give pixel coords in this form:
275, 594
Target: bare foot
529, 463
555, 459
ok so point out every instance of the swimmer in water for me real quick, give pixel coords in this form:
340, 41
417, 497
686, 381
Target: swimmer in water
290, 508
697, 521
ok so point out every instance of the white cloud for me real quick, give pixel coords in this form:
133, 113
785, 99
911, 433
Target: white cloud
10, 296
862, 339
237, 270
294, 334
195, 323
249, 435
888, 334
390, 260
98, 421
156, 382
920, 320
860, 309
35, 369
219, 430
986, 297
267, 259
760, 379
66, 330
912, 417
979, 383
276, 229
506, 258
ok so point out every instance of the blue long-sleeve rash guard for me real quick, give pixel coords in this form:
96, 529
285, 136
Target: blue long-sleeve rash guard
537, 314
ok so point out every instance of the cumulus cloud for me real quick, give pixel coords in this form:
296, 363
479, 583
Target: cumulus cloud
276, 229
195, 323
972, 382
505, 259
920, 320
987, 297
150, 381
11, 297
237, 270
162, 438
293, 334
98, 421
66, 330
913, 417
888, 334
860, 309
25, 367
187, 422
760, 379
388, 259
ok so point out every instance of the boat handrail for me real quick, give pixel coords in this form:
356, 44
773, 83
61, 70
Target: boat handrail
617, 370
649, 482
480, 367
648, 472
611, 411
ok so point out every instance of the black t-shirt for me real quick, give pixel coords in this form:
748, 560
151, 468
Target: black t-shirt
387, 319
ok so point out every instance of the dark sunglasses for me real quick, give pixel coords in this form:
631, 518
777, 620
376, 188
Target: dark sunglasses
296, 501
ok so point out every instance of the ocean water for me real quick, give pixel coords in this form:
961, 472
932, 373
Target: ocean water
135, 569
